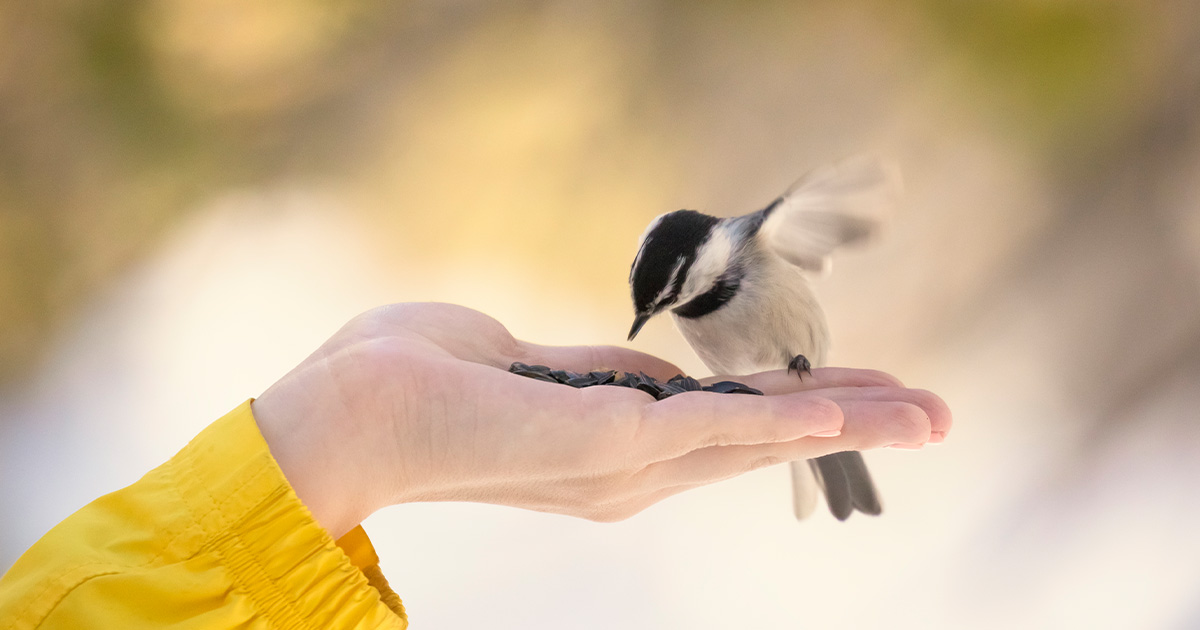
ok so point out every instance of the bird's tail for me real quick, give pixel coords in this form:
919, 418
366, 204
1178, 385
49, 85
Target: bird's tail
844, 480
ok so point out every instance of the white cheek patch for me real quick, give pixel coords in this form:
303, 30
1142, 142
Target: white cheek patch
666, 290
711, 262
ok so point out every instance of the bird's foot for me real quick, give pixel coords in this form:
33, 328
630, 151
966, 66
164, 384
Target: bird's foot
800, 364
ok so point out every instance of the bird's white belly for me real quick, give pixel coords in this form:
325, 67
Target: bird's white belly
752, 334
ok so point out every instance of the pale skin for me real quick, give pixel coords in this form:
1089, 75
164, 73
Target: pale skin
413, 402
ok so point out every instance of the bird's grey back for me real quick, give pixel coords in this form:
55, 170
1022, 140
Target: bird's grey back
773, 317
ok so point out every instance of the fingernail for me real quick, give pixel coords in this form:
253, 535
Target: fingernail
937, 437
834, 433
906, 447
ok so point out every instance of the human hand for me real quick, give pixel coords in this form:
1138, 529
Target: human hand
413, 402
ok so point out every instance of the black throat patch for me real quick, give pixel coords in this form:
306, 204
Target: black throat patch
726, 287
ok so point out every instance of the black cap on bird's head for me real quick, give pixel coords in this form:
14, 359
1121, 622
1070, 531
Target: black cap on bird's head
668, 248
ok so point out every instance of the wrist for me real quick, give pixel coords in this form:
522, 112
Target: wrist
304, 442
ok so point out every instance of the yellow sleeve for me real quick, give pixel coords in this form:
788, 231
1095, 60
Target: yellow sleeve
214, 538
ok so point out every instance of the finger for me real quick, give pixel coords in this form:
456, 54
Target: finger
683, 423
785, 382
882, 423
587, 358
940, 417
869, 424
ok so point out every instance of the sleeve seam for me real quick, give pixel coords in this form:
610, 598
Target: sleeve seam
196, 520
88, 572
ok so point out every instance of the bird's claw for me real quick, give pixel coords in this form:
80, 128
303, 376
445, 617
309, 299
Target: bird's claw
800, 364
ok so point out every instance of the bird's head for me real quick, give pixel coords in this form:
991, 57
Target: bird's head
682, 255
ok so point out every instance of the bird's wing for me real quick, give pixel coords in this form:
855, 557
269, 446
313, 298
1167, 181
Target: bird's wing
836, 205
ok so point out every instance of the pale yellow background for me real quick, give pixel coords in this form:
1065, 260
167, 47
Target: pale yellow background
195, 193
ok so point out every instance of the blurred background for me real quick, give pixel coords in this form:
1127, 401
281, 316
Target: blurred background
195, 193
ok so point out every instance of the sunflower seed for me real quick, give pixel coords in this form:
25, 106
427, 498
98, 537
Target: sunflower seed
603, 378
686, 383
521, 367
537, 376
670, 389
677, 384
650, 388
587, 380
730, 387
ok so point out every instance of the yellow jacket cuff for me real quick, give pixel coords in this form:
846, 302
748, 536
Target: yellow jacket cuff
214, 538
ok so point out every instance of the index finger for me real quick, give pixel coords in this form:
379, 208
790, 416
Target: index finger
785, 381
678, 425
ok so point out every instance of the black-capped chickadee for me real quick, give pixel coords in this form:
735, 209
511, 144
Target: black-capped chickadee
737, 290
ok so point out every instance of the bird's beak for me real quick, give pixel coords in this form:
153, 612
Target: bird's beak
640, 321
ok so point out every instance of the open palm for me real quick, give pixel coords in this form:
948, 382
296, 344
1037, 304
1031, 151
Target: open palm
413, 402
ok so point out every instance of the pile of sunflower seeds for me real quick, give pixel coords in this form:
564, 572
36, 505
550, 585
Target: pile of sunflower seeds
660, 390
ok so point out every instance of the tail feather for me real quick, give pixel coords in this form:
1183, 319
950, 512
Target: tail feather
844, 480
862, 489
836, 485
804, 490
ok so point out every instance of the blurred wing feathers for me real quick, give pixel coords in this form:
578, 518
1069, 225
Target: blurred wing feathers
837, 205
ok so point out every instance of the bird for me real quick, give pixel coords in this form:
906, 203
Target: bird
738, 289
